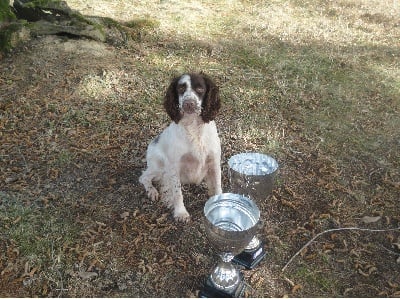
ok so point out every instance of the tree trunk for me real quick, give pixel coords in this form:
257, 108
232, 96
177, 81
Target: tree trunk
31, 18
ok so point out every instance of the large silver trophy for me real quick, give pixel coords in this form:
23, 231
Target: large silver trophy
230, 220
252, 175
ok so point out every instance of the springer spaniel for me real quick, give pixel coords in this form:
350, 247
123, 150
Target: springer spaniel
189, 149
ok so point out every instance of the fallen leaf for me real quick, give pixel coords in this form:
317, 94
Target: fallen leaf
393, 285
368, 219
33, 271
124, 215
296, 288
372, 270
18, 219
87, 275
346, 291
363, 273
10, 180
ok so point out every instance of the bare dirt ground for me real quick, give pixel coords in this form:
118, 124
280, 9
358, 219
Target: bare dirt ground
76, 118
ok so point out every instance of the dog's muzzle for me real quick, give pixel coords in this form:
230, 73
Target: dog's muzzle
190, 106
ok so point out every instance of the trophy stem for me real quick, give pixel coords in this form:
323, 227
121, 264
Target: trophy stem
225, 281
225, 276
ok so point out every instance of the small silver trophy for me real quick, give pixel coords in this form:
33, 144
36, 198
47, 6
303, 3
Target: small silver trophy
230, 220
252, 175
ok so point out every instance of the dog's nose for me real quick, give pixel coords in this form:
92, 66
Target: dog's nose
189, 106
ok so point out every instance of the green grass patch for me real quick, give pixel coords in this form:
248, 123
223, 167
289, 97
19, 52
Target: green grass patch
39, 233
320, 281
142, 23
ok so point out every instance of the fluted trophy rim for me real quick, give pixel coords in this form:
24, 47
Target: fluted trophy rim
236, 161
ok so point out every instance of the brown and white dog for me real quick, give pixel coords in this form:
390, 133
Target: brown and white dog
189, 149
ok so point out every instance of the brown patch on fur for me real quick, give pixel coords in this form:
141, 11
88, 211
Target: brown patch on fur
171, 103
211, 102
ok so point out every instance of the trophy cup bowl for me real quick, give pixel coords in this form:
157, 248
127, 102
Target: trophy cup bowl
252, 175
230, 220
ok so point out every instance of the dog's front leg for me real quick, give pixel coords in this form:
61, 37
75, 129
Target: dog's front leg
171, 194
213, 177
146, 179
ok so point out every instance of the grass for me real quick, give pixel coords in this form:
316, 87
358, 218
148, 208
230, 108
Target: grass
35, 236
316, 84
41, 237
311, 59
316, 280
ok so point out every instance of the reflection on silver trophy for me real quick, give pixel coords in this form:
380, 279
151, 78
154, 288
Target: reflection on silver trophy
230, 220
252, 175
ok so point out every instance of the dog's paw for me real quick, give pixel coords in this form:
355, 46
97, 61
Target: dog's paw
182, 216
152, 193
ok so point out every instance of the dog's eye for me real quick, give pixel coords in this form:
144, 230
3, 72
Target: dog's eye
200, 89
181, 88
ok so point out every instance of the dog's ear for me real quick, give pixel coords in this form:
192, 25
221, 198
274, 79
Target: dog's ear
171, 101
211, 102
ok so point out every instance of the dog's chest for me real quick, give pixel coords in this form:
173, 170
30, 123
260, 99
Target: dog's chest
192, 168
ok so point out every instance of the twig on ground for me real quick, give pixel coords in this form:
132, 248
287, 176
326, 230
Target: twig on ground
334, 230
390, 251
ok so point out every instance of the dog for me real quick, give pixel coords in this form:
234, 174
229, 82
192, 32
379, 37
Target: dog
188, 151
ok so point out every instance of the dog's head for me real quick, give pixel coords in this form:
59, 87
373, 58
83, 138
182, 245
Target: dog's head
192, 95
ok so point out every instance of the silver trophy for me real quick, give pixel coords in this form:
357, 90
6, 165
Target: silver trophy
252, 175
230, 220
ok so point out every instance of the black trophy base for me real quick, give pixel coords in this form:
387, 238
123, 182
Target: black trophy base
211, 291
250, 259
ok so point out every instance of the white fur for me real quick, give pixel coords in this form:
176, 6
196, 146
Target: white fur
189, 93
187, 152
